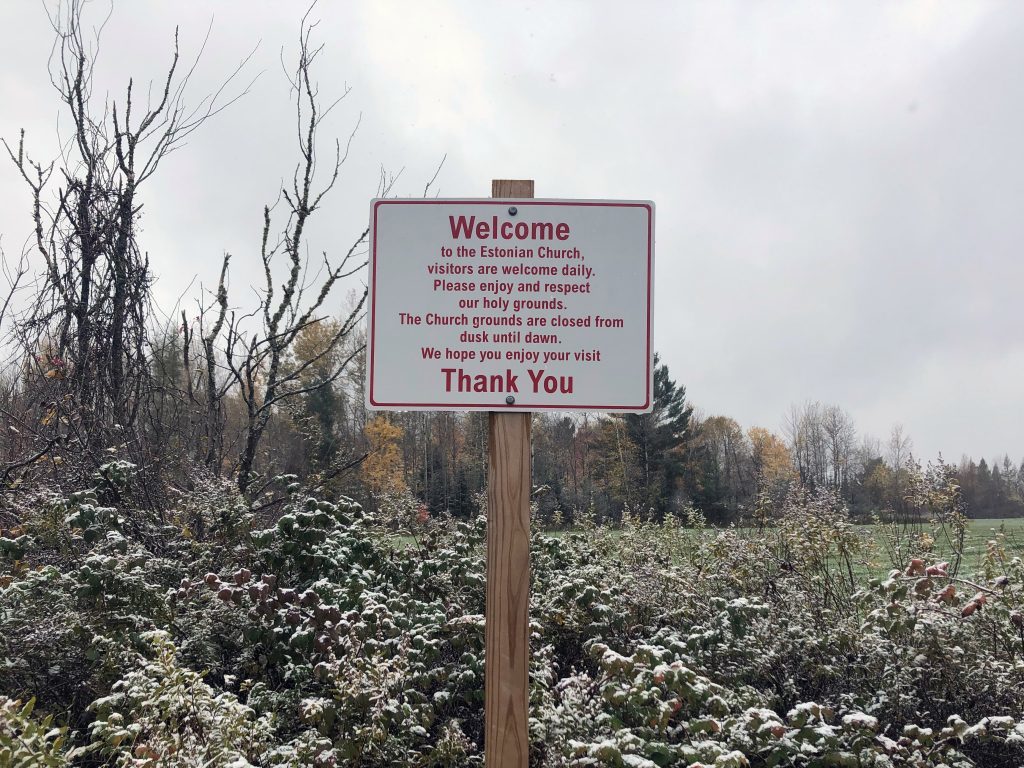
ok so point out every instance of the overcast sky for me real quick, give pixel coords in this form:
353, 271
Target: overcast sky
840, 186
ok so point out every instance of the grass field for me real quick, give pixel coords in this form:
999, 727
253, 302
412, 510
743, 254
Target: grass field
1008, 534
876, 559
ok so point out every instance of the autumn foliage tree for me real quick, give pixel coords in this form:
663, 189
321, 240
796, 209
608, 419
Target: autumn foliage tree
383, 470
319, 406
772, 462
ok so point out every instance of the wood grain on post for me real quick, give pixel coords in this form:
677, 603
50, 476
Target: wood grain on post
507, 666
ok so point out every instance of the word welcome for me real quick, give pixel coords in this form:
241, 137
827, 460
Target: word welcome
463, 227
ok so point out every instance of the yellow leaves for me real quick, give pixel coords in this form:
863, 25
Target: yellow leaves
384, 469
772, 458
313, 343
381, 431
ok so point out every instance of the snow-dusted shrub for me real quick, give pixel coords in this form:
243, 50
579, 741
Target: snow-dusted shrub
163, 715
310, 639
29, 742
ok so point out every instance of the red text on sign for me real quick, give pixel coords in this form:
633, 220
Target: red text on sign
469, 227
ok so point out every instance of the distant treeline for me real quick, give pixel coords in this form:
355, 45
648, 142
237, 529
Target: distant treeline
586, 467
672, 460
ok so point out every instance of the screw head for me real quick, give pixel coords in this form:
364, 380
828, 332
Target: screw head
510, 400
512, 210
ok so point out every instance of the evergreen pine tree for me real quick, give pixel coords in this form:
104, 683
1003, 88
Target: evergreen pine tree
660, 438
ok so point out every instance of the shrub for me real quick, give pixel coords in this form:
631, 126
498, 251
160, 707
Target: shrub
161, 714
319, 640
28, 742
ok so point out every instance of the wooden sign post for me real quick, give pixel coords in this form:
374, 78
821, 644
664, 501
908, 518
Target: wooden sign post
507, 664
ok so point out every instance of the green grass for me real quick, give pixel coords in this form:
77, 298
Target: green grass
1009, 534
877, 558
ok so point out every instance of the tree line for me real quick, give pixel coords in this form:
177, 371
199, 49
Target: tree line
674, 461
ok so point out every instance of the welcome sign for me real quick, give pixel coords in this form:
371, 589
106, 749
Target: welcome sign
485, 304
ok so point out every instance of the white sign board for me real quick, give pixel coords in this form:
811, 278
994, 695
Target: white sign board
496, 304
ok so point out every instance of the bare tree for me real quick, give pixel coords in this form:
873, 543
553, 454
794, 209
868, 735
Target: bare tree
840, 437
803, 430
257, 359
899, 455
87, 327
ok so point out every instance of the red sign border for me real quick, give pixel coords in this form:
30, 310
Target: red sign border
503, 406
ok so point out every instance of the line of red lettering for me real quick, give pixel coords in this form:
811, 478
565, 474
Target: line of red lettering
463, 227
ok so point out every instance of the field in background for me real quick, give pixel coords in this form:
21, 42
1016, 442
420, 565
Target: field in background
1007, 533
876, 559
